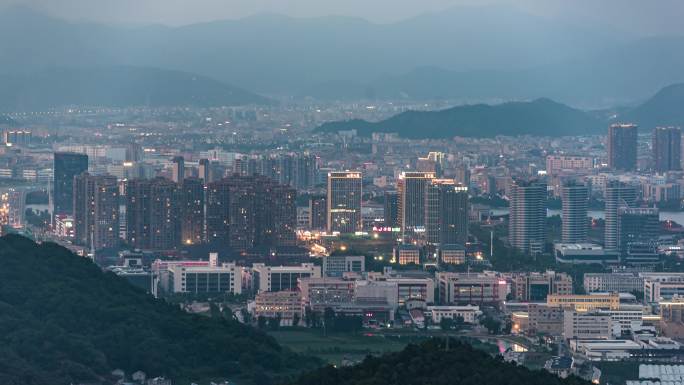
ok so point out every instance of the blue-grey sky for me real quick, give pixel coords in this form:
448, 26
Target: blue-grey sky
641, 16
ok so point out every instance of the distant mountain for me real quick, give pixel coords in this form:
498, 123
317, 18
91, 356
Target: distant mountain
617, 75
539, 117
469, 54
64, 321
665, 108
435, 362
117, 87
279, 54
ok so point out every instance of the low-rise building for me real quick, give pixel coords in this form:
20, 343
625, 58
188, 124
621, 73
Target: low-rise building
533, 286
337, 265
662, 286
226, 278
469, 313
407, 254
672, 317
452, 254
472, 288
583, 302
285, 305
279, 278
586, 325
608, 282
584, 253
545, 319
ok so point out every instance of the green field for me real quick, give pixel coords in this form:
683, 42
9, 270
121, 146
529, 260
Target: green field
336, 348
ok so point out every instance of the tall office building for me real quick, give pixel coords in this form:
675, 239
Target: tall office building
638, 230
344, 201
96, 210
667, 149
575, 199
412, 190
318, 213
244, 212
446, 212
527, 221
191, 202
152, 209
391, 209
66, 166
205, 171
617, 195
622, 147
178, 173
434, 162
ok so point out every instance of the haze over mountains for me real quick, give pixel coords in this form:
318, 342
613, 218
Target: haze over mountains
117, 87
465, 53
541, 117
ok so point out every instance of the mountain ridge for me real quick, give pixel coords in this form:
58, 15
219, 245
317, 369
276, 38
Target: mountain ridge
117, 86
536, 117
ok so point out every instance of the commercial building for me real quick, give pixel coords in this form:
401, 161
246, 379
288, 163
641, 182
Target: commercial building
468, 313
16, 137
527, 220
318, 213
575, 223
279, 278
663, 286
320, 292
558, 163
473, 289
544, 319
412, 195
96, 211
622, 147
613, 282
344, 202
66, 166
204, 171
446, 212
284, 305
606, 349
178, 169
584, 303
667, 149
376, 292
205, 279
586, 325
533, 286
337, 265
584, 253
672, 317
407, 254
451, 254
617, 195
391, 209
638, 230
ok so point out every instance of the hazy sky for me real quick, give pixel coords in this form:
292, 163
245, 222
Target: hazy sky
643, 16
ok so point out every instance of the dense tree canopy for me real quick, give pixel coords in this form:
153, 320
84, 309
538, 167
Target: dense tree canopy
432, 362
62, 320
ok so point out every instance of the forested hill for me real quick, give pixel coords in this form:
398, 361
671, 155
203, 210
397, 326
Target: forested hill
431, 363
539, 117
64, 321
